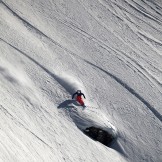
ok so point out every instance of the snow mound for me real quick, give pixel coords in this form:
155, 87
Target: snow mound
90, 117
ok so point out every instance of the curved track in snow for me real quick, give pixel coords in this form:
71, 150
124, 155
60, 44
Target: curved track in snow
110, 49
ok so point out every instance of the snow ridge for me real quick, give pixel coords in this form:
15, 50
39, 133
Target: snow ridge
111, 50
131, 90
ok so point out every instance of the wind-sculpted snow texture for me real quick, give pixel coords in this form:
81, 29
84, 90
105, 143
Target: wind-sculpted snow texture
110, 49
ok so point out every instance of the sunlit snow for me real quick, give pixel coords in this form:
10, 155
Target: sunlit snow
109, 49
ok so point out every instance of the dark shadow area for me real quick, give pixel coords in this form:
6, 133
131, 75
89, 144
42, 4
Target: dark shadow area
104, 137
7, 76
2, 69
117, 146
68, 104
100, 135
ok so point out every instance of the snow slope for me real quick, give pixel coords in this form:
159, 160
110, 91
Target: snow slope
110, 49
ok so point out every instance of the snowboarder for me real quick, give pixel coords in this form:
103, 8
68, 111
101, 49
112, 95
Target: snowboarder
79, 95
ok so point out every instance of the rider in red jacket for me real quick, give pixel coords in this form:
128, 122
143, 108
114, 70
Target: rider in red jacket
79, 95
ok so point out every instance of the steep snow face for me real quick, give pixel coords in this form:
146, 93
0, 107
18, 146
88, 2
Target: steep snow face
111, 50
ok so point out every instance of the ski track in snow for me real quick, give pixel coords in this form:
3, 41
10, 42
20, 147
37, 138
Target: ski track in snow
132, 62
137, 65
144, 13
65, 80
138, 61
132, 91
71, 86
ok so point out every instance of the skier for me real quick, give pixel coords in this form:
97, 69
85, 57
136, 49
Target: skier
79, 95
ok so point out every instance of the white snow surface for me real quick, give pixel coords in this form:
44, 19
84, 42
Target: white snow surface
110, 49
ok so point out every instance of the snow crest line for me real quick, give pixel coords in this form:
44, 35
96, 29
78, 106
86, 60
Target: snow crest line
69, 84
146, 3
137, 17
36, 30
144, 10
143, 13
39, 32
132, 61
105, 46
131, 90
154, 111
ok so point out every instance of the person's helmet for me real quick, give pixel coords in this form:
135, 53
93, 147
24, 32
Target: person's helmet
78, 91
